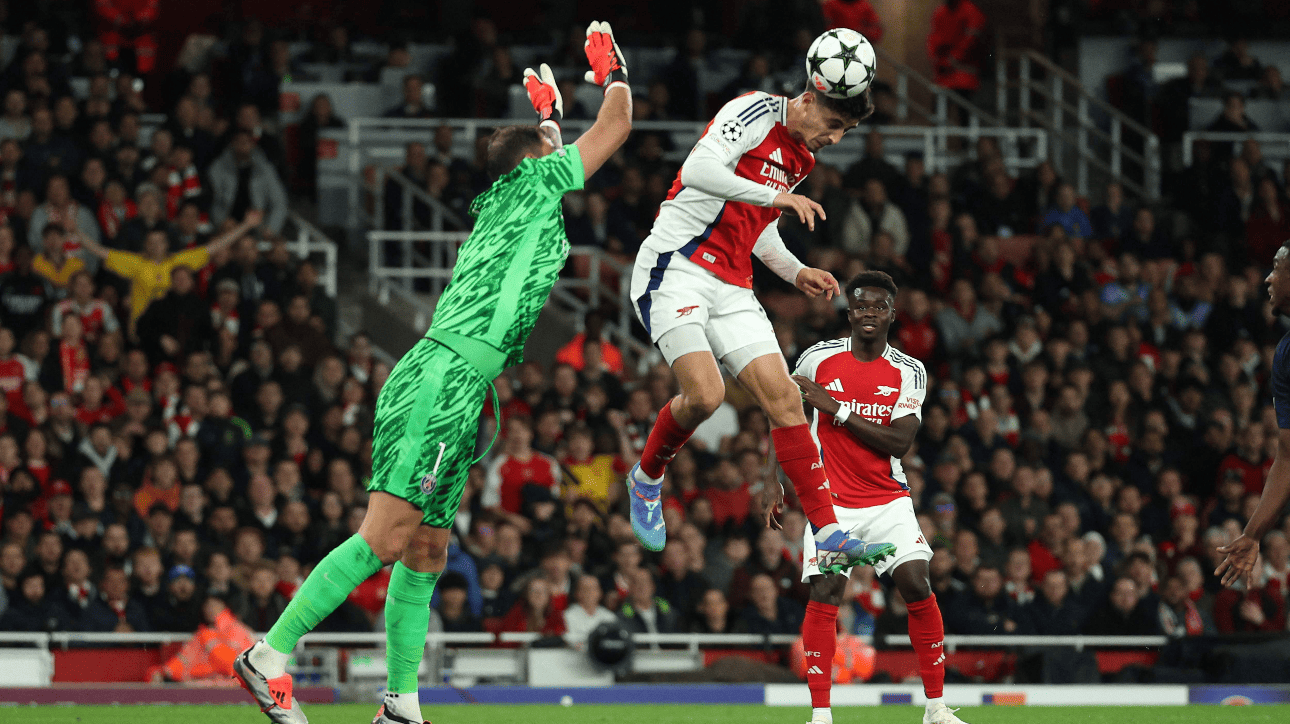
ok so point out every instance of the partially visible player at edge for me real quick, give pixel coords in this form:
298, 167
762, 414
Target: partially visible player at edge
868, 400
427, 416
692, 288
1243, 553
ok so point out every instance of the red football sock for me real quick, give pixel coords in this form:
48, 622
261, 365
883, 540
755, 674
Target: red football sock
927, 634
820, 642
795, 449
664, 440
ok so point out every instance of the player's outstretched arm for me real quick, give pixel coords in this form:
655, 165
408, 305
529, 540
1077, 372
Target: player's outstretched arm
775, 255
614, 121
1243, 552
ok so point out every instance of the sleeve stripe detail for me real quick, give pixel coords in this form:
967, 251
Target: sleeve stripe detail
818, 346
764, 111
746, 115
920, 377
829, 345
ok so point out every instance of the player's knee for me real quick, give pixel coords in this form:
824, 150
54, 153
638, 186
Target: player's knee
830, 588
914, 589
388, 545
433, 556
704, 401
784, 407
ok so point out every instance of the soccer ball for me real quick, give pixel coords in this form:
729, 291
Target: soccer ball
841, 63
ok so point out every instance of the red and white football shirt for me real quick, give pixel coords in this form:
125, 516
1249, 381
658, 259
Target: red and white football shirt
888, 388
749, 135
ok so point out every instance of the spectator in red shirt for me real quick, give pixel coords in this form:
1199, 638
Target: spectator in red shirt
954, 45
1248, 460
12, 372
534, 611
1044, 549
571, 353
97, 317
729, 495
1246, 611
1268, 224
857, 15
518, 465
916, 334
161, 485
100, 402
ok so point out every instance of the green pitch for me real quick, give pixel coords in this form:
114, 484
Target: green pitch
663, 714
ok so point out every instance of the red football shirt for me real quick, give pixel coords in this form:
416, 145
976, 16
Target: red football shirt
888, 388
507, 476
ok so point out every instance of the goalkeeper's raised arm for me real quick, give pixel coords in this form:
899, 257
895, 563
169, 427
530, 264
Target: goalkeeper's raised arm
613, 122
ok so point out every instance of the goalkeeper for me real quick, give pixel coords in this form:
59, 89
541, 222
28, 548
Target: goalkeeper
427, 415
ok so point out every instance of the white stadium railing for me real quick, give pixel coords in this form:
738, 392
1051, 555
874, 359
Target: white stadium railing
1079, 643
1276, 146
429, 256
381, 142
465, 659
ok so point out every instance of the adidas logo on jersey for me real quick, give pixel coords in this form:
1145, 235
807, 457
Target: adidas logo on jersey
814, 670
777, 156
835, 386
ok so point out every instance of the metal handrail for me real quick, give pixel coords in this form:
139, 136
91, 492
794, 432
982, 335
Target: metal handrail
1190, 137
904, 73
1053, 93
1101, 105
1096, 132
311, 239
440, 212
386, 280
472, 127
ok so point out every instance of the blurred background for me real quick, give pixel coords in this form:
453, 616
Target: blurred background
1079, 199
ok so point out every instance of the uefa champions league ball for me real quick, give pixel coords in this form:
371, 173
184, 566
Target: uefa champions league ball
841, 63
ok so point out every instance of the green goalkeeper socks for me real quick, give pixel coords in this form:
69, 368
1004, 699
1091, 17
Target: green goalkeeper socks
407, 618
331, 581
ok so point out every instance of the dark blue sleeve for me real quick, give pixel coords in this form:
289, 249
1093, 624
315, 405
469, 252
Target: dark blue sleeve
1281, 383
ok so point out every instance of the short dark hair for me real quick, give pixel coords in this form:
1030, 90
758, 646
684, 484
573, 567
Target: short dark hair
856, 108
507, 148
871, 278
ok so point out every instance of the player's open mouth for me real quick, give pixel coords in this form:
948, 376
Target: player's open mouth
869, 327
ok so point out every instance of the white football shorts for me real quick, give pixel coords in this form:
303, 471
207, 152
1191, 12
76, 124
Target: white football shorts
894, 522
702, 312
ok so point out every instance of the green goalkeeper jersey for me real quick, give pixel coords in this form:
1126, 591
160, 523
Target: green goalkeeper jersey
507, 266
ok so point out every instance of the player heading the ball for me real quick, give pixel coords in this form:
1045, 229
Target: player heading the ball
692, 290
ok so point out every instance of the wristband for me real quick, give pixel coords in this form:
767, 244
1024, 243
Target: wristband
840, 417
622, 83
557, 139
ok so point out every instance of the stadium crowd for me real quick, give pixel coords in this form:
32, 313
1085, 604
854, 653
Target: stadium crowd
180, 420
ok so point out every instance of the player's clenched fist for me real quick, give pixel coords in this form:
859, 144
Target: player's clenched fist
544, 94
604, 55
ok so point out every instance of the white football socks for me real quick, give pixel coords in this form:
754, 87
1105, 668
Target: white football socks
823, 534
267, 660
936, 703
822, 715
646, 478
407, 705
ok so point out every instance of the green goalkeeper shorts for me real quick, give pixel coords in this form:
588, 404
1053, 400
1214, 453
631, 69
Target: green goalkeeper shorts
427, 424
